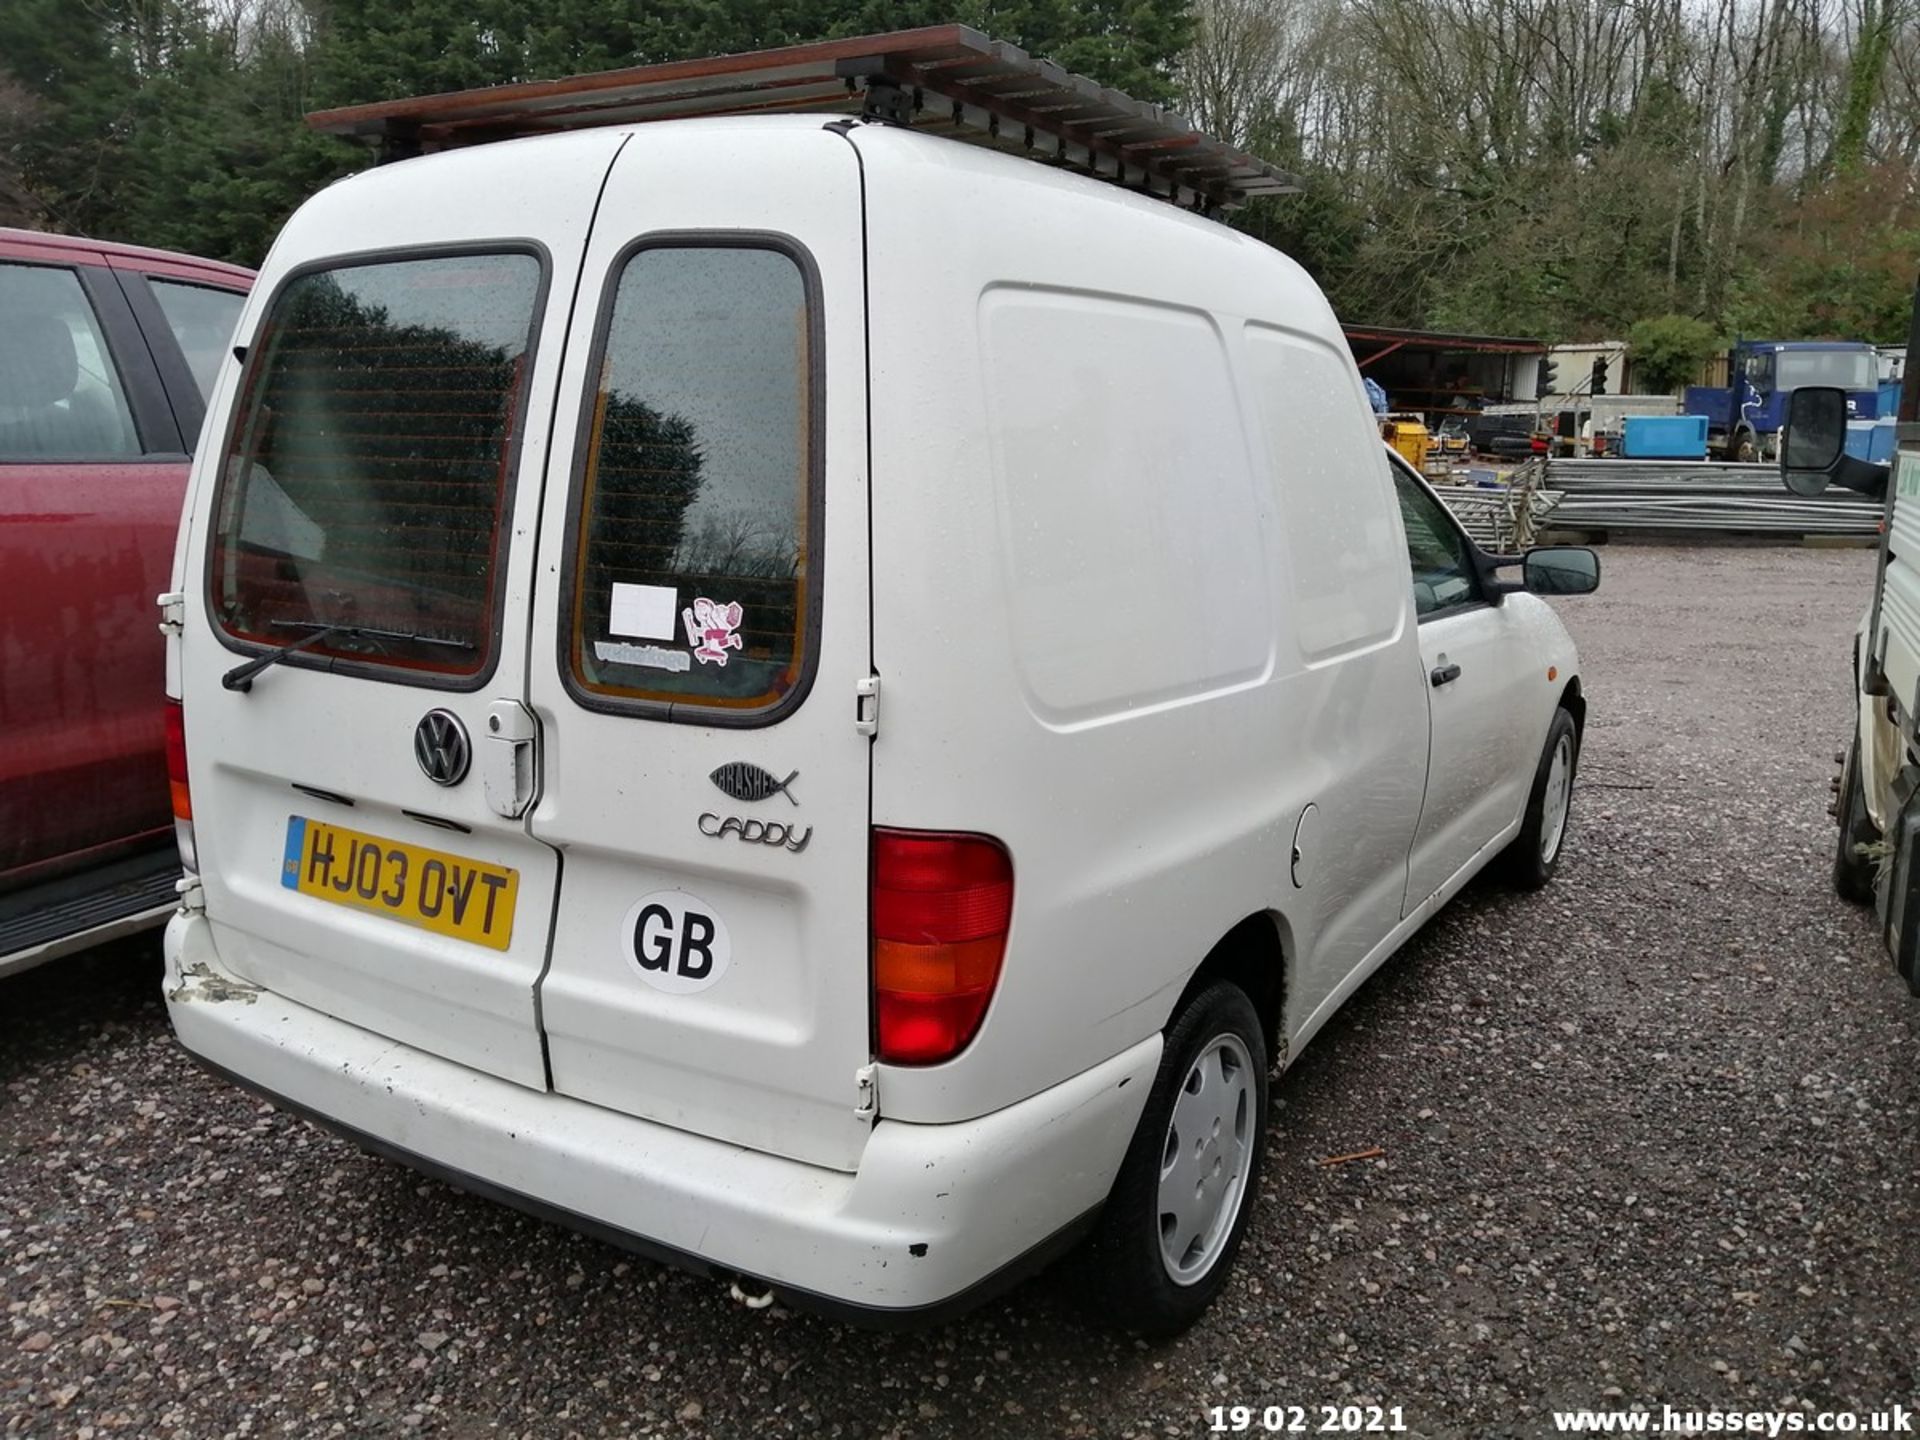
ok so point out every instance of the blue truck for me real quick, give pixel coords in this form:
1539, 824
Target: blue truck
1764, 372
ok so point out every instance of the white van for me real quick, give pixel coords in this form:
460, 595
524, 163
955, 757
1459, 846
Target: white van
822, 702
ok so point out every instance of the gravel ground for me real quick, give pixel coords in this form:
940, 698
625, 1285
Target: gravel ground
1650, 1136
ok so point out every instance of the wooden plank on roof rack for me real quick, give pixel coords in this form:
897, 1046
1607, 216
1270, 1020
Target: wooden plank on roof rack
948, 79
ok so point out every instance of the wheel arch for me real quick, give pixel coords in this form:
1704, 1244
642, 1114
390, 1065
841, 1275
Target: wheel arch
1575, 704
1256, 955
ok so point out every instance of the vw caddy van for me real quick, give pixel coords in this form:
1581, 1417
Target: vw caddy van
822, 702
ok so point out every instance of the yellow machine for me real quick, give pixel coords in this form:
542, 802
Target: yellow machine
1409, 435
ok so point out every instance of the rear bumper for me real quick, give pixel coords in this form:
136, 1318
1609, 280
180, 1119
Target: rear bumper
937, 1218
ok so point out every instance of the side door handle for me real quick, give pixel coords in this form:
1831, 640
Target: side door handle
1444, 674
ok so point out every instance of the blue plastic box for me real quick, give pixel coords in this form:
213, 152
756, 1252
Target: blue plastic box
1664, 437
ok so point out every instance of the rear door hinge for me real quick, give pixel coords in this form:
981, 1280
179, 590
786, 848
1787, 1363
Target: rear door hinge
866, 705
866, 1084
173, 617
509, 759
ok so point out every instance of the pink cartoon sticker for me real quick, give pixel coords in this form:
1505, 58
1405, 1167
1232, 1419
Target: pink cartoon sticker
710, 629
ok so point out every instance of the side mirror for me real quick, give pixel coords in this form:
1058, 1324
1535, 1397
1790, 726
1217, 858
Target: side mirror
1816, 438
1561, 570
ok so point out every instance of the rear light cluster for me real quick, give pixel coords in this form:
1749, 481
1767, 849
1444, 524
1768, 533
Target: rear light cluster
177, 784
941, 908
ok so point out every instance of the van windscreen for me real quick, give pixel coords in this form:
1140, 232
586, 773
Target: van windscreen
696, 533
367, 475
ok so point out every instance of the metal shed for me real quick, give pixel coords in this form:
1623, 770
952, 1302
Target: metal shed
1440, 373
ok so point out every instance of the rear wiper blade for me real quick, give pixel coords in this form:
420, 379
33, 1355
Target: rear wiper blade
241, 676
370, 632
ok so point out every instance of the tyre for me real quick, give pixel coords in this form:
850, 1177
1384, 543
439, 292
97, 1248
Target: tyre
1853, 873
1174, 1219
1535, 852
1743, 448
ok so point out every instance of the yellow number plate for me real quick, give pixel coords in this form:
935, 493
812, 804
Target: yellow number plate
446, 894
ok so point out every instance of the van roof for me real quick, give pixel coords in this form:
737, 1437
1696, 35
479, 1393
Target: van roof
947, 79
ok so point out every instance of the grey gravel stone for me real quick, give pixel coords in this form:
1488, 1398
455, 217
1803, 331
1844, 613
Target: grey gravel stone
1661, 1114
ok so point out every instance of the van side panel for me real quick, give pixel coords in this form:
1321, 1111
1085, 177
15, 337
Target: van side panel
1084, 615
1155, 611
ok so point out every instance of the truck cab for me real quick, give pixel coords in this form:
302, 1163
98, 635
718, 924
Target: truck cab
1763, 373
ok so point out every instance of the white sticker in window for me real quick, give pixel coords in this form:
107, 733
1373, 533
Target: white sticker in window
675, 943
616, 652
644, 611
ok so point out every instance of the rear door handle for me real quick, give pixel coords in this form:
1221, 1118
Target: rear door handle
508, 763
1442, 674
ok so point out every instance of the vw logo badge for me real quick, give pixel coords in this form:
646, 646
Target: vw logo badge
440, 745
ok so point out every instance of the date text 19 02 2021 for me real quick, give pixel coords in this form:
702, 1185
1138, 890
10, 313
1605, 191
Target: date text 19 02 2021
1307, 1419
447, 894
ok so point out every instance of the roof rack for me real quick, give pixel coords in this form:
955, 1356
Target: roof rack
947, 79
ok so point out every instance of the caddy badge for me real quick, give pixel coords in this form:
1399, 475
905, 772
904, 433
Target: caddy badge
755, 832
744, 780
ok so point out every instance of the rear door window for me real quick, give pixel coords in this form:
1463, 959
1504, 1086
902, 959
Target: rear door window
694, 590
60, 396
202, 320
371, 465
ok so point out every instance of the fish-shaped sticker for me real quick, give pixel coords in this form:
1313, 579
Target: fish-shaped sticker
744, 780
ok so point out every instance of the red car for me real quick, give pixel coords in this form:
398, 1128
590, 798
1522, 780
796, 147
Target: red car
107, 353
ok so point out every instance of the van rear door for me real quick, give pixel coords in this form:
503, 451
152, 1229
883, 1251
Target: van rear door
704, 568
370, 509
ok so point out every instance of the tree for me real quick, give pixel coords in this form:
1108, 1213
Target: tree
1875, 24
1844, 269
61, 138
1668, 351
380, 49
1234, 73
217, 148
1555, 168
19, 115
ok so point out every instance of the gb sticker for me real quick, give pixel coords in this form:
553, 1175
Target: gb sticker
675, 942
